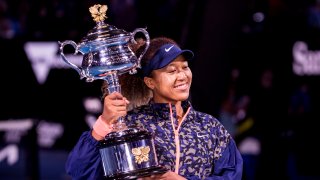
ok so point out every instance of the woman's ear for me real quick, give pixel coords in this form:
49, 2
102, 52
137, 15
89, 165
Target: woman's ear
149, 82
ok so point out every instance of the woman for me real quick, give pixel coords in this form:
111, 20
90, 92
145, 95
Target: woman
205, 149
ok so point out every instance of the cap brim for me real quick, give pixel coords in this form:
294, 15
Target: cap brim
164, 56
188, 54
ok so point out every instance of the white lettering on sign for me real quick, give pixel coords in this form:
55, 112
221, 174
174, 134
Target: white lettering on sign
11, 153
15, 129
305, 62
48, 133
44, 56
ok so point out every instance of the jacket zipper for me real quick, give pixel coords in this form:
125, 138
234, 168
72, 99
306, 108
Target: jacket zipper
176, 137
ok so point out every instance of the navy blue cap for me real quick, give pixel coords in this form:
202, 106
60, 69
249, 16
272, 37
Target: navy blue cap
164, 56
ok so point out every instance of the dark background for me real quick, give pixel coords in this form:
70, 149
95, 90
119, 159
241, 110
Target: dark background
250, 36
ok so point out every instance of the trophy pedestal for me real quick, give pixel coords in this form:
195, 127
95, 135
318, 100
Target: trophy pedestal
129, 154
138, 173
126, 153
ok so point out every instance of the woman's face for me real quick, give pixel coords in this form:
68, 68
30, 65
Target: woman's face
172, 82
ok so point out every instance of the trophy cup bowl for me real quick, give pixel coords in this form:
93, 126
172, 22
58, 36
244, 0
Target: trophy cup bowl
126, 152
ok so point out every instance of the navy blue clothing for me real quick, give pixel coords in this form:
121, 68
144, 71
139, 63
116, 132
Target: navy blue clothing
207, 151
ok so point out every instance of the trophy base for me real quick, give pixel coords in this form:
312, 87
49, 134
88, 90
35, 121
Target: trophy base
120, 157
138, 173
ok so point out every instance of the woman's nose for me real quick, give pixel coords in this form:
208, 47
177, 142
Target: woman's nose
182, 75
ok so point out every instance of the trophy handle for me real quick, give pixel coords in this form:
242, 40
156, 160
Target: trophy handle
72, 43
146, 34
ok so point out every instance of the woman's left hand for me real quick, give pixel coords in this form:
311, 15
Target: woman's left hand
166, 176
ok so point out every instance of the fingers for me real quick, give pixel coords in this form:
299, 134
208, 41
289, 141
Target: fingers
126, 100
116, 99
115, 95
115, 106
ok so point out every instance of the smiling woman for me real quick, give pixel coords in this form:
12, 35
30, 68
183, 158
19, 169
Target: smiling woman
189, 144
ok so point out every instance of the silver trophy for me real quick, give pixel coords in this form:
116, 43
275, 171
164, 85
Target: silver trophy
126, 152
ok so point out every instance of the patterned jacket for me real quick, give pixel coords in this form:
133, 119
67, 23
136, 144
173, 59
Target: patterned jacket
199, 148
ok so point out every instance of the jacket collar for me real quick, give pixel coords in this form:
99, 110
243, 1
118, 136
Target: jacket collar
163, 109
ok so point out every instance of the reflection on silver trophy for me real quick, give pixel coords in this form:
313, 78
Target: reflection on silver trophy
126, 152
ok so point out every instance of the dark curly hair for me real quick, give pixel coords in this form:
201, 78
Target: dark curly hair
132, 85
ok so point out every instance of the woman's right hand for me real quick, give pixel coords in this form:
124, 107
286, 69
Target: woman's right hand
114, 106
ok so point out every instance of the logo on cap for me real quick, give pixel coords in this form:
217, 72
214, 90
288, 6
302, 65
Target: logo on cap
168, 49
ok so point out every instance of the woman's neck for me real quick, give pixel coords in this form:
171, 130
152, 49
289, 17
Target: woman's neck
179, 109
177, 104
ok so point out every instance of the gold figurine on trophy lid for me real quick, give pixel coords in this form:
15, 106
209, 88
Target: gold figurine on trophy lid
105, 48
98, 12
